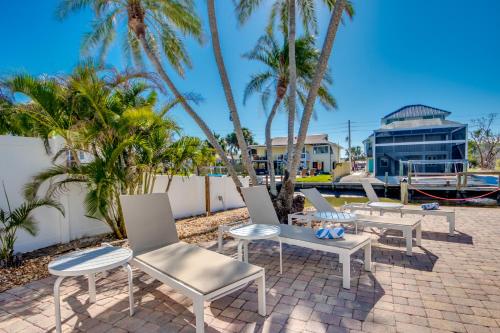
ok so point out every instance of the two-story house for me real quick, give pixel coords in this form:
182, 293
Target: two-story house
416, 133
318, 153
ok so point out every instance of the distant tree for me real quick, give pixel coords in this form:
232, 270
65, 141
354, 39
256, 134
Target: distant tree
472, 153
356, 153
181, 157
232, 145
486, 140
273, 80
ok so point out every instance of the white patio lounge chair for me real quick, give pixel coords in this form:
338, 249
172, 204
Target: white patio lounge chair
317, 201
372, 197
406, 226
197, 273
262, 211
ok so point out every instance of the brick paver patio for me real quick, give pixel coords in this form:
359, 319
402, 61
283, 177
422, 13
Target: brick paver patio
451, 284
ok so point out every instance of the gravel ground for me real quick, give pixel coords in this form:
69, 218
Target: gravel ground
34, 267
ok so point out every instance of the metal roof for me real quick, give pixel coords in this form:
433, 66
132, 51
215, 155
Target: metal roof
416, 111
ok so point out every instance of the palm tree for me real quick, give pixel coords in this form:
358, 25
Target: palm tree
238, 129
275, 80
181, 157
154, 27
47, 107
11, 220
285, 197
117, 125
284, 12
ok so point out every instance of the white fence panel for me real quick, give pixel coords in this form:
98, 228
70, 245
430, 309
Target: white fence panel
21, 158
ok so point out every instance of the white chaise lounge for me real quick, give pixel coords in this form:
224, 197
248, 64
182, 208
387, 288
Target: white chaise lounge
197, 273
372, 197
262, 211
405, 225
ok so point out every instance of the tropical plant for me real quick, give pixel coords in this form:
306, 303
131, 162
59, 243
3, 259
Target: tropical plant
205, 158
184, 156
114, 121
19, 218
155, 27
274, 80
12, 122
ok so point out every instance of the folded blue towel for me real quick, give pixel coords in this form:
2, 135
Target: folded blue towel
329, 233
430, 206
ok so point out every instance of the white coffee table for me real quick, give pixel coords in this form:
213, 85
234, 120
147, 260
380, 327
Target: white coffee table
89, 262
247, 233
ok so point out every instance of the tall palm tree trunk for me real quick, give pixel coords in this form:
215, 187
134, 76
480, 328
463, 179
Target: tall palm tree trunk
286, 193
208, 133
292, 68
269, 146
235, 118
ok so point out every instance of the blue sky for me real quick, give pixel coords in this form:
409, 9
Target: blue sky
442, 53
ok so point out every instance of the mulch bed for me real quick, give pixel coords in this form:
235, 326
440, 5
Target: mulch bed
34, 266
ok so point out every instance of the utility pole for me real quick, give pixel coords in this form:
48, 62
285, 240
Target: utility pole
349, 141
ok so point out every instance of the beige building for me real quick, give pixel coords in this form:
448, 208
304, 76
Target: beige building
318, 153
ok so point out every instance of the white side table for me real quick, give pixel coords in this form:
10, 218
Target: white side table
337, 217
247, 233
89, 262
385, 205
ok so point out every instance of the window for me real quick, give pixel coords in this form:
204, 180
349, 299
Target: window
321, 149
408, 138
384, 162
435, 137
81, 155
384, 139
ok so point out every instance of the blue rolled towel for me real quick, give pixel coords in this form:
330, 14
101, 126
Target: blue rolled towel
329, 233
430, 206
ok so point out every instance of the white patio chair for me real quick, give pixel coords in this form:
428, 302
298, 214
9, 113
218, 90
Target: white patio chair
262, 211
197, 273
372, 197
406, 226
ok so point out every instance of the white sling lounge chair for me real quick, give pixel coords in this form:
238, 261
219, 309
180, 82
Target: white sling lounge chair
406, 226
262, 211
317, 201
372, 197
197, 273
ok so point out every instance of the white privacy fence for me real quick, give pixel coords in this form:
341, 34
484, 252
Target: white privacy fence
21, 158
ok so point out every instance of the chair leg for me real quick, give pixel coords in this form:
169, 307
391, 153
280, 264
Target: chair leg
245, 252
240, 250
130, 288
261, 286
57, 303
407, 234
219, 238
345, 259
368, 257
418, 235
451, 224
199, 313
281, 256
91, 280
